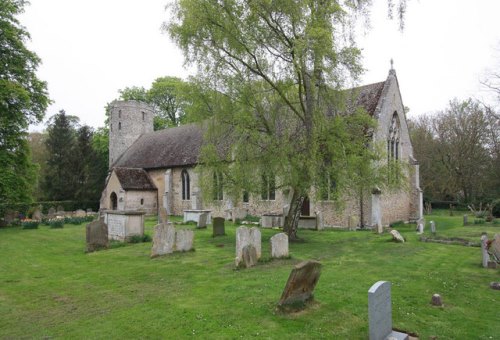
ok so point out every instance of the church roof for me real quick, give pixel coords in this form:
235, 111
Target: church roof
172, 147
134, 179
180, 146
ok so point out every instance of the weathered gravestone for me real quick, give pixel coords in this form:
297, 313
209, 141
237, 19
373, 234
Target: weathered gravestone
466, 217
202, 220
80, 213
396, 236
495, 248
433, 227
97, 235
300, 286
184, 240
37, 215
60, 208
163, 240
218, 227
484, 250
279, 245
249, 256
245, 236
163, 215
380, 313
51, 212
436, 300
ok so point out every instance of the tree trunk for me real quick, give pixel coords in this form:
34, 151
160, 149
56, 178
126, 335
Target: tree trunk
292, 219
361, 210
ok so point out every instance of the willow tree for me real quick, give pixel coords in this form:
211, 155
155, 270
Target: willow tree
278, 67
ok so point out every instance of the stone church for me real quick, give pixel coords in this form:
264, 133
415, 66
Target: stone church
155, 170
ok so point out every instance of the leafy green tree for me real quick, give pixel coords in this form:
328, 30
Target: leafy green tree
62, 165
278, 67
23, 100
39, 156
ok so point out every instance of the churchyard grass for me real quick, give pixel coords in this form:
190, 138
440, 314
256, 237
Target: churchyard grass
50, 288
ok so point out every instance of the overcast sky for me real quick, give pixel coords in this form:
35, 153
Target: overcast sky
91, 49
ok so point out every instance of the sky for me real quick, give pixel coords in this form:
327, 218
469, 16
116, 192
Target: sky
90, 49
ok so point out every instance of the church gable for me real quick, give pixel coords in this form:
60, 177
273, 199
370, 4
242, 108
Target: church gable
134, 179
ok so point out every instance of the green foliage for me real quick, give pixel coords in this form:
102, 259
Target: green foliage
55, 223
139, 238
78, 220
30, 224
479, 221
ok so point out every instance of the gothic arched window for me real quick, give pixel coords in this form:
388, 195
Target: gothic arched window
186, 192
393, 138
217, 189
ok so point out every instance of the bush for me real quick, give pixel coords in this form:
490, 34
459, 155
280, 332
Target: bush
139, 238
30, 224
78, 220
397, 224
56, 223
496, 207
479, 221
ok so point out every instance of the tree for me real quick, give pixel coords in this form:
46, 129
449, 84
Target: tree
39, 156
62, 165
23, 100
278, 67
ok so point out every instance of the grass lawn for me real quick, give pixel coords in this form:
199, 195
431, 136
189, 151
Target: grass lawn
50, 288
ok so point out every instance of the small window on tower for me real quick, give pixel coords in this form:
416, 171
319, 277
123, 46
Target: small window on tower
119, 113
119, 125
143, 115
142, 201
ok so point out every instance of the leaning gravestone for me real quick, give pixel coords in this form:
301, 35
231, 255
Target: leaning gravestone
300, 285
396, 236
184, 240
163, 240
202, 221
218, 227
249, 256
97, 235
279, 245
484, 250
380, 313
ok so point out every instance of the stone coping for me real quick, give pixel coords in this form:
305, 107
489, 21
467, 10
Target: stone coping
196, 211
125, 212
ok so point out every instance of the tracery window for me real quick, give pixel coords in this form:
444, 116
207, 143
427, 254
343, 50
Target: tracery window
186, 192
217, 187
268, 189
393, 138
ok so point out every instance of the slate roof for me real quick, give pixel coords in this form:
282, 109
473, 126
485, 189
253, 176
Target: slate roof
180, 146
172, 147
134, 179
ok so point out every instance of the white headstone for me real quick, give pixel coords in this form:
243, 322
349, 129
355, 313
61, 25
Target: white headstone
433, 227
380, 313
484, 250
242, 239
184, 240
163, 240
256, 240
279, 245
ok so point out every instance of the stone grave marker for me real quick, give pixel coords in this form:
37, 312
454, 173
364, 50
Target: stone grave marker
242, 239
300, 286
202, 221
466, 217
380, 313
37, 215
97, 235
495, 248
396, 236
184, 240
218, 227
249, 256
163, 240
60, 208
436, 300
89, 210
51, 212
256, 240
279, 245
484, 250
433, 227
80, 213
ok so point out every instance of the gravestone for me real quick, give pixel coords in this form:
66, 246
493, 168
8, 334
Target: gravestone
163, 240
242, 239
97, 235
495, 248
163, 215
60, 208
466, 217
319, 220
80, 213
249, 256
396, 236
256, 240
279, 245
218, 227
495, 285
300, 286
202, 221
436, 300
380, 313
37, 215
184, 240
89, 210
484, 250
433, 227
51, 212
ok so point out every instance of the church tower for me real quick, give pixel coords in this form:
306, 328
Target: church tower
128, 121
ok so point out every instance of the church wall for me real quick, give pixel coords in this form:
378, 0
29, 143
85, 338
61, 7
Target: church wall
113, 185
133, 200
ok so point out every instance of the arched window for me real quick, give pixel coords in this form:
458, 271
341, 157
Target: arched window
119, 113
217, 187
142, 201
393, 138
268, 190
119, 125
186, 192
143, 115
114, 201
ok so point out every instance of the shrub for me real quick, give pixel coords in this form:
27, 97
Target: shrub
496, 207
397, 224
56, 223
139, 238
30, 224
479, 221
78, 220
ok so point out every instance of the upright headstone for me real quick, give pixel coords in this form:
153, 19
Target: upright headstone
466, 220
353, 222
495, 247
202, 221
279, 245
97, 235
484, 250
436, 300
51, 213
380, 313
256, 240
301, 283
163, 240
37, 215
319, 220
184, 240
242, 239
433, 227
218, 227
80, 213
60, 208
249, 256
